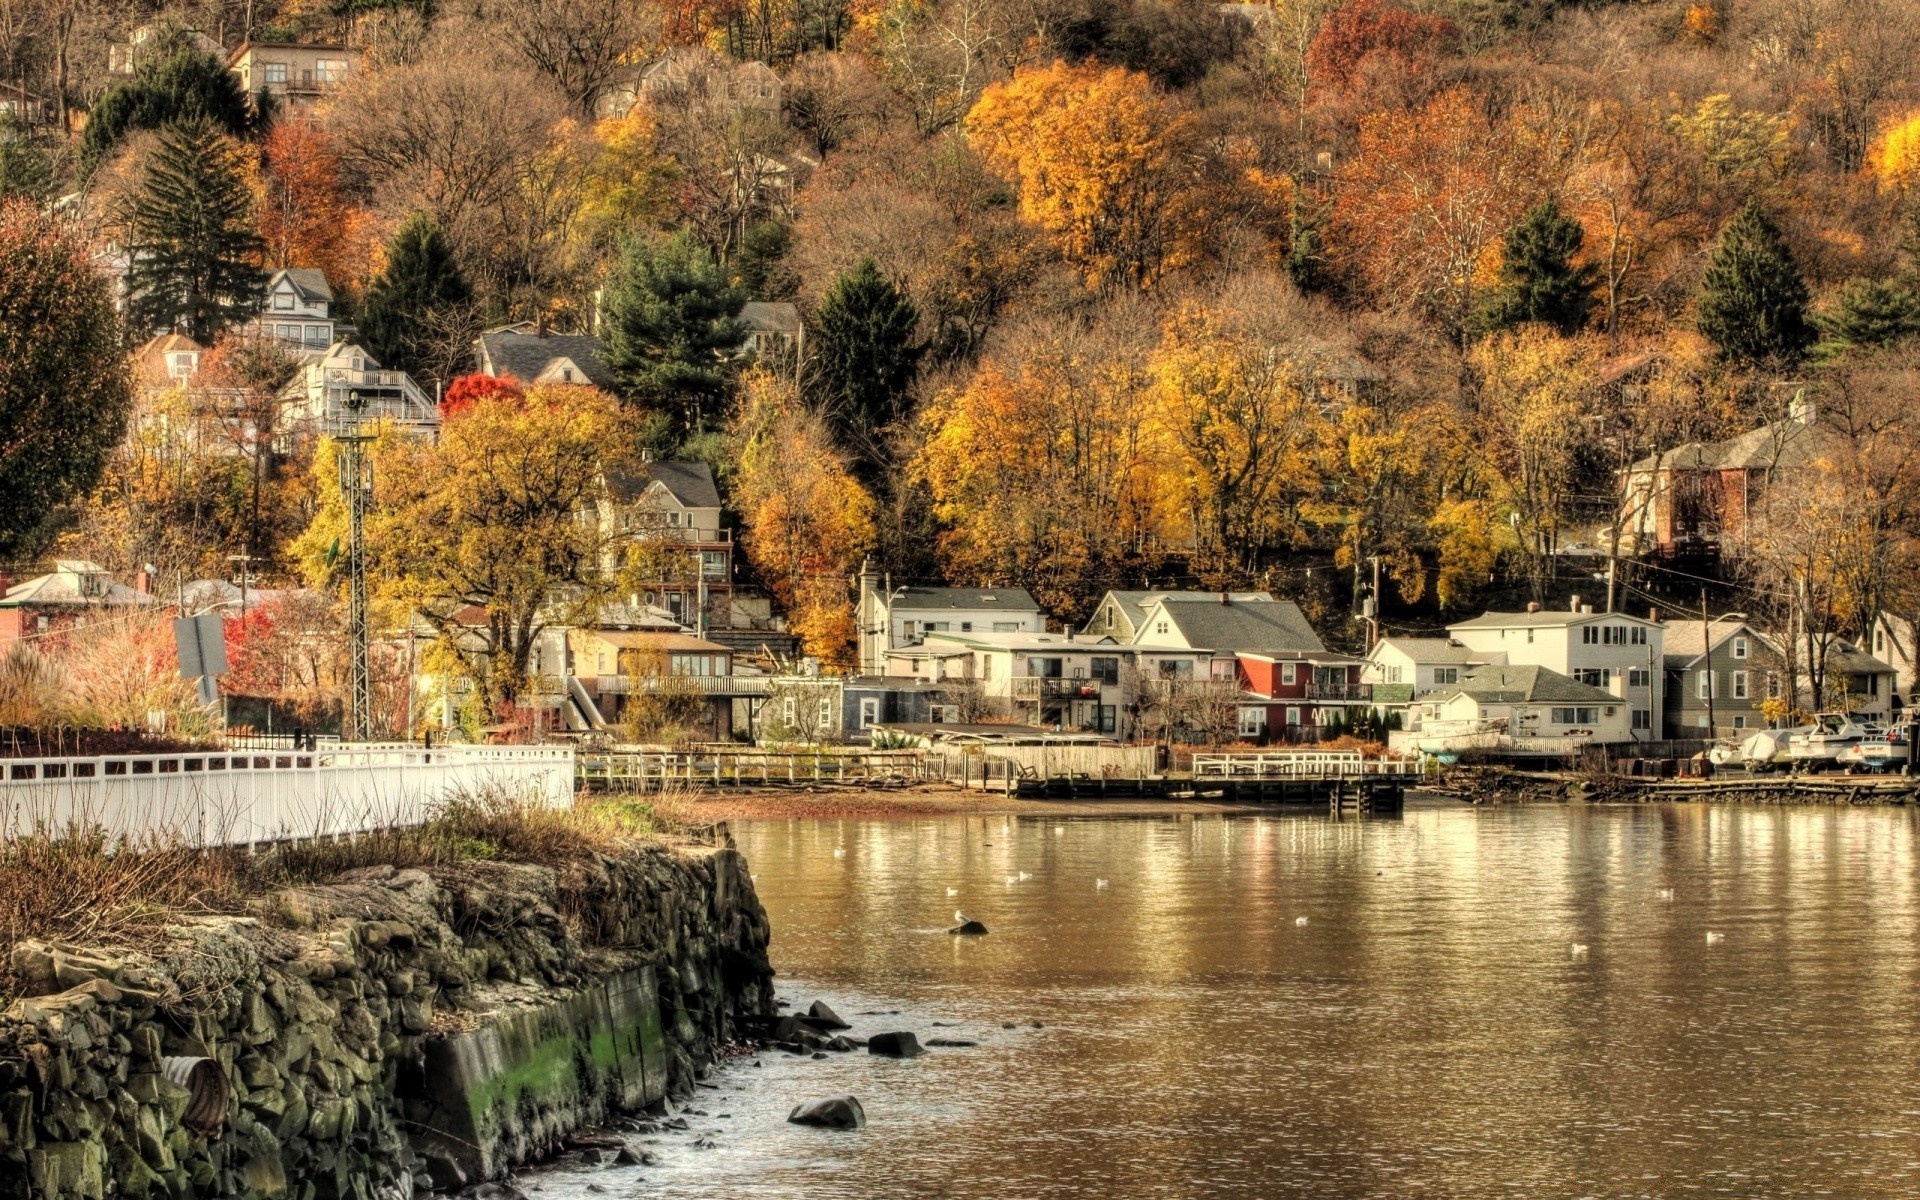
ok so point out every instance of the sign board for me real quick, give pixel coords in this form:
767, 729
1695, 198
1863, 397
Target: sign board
202, 642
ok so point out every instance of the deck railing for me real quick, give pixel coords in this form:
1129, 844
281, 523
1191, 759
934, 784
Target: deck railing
228, 797
1300, 764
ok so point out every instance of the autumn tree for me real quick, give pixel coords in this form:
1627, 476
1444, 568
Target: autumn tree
1753, 302
64, 388
195, 255
418, 314
941, 56
1895, 155
1039, 469
1101, 162
1542, 279
307, 218
728, 157
806, 518
866, 355
1369, 53
1423, 201
672, 327
582, 45
479, 533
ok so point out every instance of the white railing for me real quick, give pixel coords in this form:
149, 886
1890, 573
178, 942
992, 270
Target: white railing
231, 798
705, 685
1300, 764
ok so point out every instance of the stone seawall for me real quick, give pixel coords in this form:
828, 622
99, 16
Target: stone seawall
393, 1028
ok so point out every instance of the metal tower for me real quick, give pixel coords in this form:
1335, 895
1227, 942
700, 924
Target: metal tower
356, 487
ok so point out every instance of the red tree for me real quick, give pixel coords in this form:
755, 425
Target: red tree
468, 390
1366, 39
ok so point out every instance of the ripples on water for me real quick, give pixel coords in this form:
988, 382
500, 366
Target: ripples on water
1427, 1032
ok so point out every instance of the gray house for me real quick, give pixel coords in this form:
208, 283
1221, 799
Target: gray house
1728, 660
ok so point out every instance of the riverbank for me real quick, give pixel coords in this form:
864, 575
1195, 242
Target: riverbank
705, 807
388, 1028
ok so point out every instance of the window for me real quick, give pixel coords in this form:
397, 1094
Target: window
1393, 674
1176, 669
1529, 635
966, 627
1576, 716
1044, 668
1160, 628
1773, 686
826, 714
1225, 668
1105, 718
1739, 685
713, 564
1879, 641
1639, 677
1594, 676
330, 70
1446, 675
1588, 635
1253, 721
1739, 647
788, 711
1107, 670
1293, 716
1006, 627
315, 335
1639, 635
1288, 675
1740, 721
869, 711
941, 714
1873, 685
1703, 685
282, 302
1642, 718
274, 73
934, 626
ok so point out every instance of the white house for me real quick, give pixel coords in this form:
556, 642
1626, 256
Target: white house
1529, 703
343, 386
893, 617
1226, 627
676, 505
1120, 614
1893, 644
1422, 664
297, 308
1614, 652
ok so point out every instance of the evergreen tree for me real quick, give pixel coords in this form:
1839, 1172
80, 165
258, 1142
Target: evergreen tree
672, 328
64, 388
1539, 280
1870, 312
26, 170
415, 315
191, 242
866, 357
1753, 303
182, 88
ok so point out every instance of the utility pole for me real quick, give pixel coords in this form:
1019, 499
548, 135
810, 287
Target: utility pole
356, 486
1706, 643
245, 559
1373, 605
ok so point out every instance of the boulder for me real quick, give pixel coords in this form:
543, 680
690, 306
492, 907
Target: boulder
835, 1112
970, 929
821, 1017
894, 1045
947, 1041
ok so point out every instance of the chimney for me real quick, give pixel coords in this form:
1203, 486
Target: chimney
1653, 614
1224, 599
540, 324
143, 581
1574, 606
1587, 609
1533, 606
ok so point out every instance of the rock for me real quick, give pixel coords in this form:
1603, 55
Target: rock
629, 1157
944, 1041
445, 1173
493, 1191
596, 1139
820, 1054
894, 1045
970, 929
839, 1045
821, 1017
835, 1112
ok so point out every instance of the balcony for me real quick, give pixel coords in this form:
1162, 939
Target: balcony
1036, 687
1352, 693
705, 685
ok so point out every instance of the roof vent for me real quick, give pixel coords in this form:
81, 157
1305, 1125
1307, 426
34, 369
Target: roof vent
1533, 606
1574, 606
1653, 614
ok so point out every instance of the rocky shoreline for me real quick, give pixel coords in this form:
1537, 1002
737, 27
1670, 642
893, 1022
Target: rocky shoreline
390, 1030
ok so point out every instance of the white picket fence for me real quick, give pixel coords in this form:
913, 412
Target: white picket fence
233, 798
1300, 764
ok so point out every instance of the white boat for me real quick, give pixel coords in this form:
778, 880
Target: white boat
1448, 740
1890, 751
1821, 745
1766, 749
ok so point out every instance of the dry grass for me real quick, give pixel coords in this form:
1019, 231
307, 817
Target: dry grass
78, 884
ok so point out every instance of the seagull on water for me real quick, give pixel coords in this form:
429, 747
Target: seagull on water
1011, 881
953, 891
1099, 883
1299, 920
838, 853
1579, 950
959, 918
1024, 877
1714, 939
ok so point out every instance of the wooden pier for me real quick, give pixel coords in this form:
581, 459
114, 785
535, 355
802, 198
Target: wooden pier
1342, 782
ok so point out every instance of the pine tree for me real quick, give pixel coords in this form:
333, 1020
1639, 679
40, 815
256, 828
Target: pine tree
182, 88
672, 328
1870, 312
1539, 280
1753, 303
26, 170
191, 241
866, 357
415, 315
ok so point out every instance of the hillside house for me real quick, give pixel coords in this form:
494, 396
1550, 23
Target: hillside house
1893, 644
167, 361
613, 667
896, 617
531, 355
155, 37
776, 336
343, 386
295, 74
297, 309
1292, 695
1726, 661
695, 73
1120, 614
47, 609
23, 108
1048, 680
674, 508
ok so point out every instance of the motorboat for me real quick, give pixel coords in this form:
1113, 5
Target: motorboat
1889, 751
1831, 733
1448, 740
1766, 749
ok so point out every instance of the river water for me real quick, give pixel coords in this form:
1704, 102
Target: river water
1293, 1006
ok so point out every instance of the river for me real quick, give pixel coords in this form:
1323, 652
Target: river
1293, 1006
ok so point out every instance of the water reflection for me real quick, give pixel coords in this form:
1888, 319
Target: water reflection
1426, 1032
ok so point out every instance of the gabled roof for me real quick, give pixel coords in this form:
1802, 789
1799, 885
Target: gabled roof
526, 356
1133, 605
1521, 685
1260, 626
1684, 642
1780, 444
1432, 650
309, 282
689, 483
63, 586
1007, 599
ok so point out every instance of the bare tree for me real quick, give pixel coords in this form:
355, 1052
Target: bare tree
581, 45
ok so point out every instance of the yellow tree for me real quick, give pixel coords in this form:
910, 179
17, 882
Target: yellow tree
1038, 469
1385, 471
1102, 164
1530, 421
1235, 437
1894, 157
480, 533
807, 519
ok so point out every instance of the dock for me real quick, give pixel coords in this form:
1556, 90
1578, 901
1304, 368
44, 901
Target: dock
1342, 782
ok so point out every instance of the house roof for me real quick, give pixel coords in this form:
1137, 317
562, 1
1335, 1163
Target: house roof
526, 356
1005, 599
1134, 604
1684, 642
1544, 619
1045, 643
310, 282
639, 639
1260, 626
763, 316
689, 483
1432, 650
243, 48
1789, 443
62, 587
1522, 685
